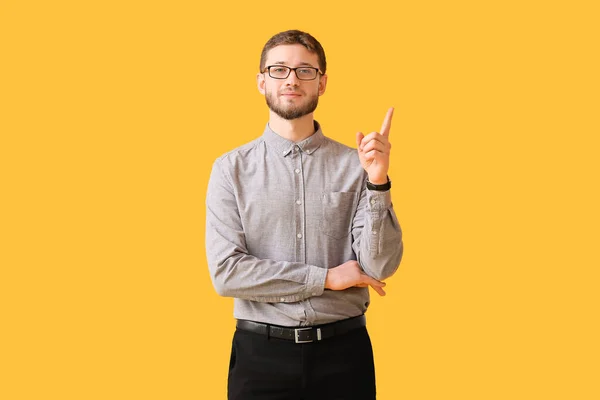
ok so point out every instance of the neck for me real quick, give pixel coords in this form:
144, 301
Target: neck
295, 130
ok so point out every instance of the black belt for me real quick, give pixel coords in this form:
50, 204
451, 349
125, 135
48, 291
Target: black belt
304, 334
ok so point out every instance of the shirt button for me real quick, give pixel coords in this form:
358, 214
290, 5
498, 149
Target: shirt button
298, 202
373, 201
297, 171
285, 151
299, 236
282, 299
374, 233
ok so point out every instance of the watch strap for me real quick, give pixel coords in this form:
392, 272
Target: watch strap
383, 187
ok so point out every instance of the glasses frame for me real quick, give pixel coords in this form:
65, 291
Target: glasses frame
290, 69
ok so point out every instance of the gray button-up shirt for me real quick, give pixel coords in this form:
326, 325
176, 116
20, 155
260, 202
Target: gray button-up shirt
279, 214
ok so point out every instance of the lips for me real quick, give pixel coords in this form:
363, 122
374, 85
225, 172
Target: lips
292, 94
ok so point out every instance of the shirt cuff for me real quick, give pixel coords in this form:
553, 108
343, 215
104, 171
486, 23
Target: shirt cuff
379, 200
315, 284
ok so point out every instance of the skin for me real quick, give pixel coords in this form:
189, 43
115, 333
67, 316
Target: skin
292, 56
373, 149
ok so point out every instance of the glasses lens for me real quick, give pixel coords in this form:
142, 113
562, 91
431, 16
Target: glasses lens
306, 73
279, 72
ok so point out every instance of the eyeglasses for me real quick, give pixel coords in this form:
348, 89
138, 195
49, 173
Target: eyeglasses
282, 72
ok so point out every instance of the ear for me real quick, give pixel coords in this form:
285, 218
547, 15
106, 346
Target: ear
260, 82
322, 84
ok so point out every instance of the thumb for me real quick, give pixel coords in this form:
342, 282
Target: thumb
359, 138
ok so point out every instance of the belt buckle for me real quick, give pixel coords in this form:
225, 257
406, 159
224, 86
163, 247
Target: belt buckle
297, 335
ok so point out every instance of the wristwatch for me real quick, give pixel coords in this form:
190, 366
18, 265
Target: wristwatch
381, 188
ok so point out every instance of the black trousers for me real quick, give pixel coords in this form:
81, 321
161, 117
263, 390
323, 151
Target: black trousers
337, 368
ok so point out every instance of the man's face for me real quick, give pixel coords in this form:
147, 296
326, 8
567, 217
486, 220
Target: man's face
291, 98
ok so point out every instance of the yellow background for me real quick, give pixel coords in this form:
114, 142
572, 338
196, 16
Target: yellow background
112, 113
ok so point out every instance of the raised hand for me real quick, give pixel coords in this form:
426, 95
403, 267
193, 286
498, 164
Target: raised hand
374, 151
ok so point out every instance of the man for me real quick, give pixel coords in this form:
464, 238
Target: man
298, 227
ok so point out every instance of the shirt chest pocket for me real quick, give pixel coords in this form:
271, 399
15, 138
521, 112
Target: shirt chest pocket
338, 210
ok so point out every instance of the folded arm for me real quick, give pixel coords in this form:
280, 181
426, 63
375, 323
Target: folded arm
235, 272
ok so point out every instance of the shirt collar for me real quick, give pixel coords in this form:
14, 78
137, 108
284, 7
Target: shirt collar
285, 146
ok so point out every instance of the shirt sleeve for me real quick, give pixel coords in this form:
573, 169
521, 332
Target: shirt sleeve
377, 236
235, 272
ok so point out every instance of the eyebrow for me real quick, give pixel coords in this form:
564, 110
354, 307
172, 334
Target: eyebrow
300, 64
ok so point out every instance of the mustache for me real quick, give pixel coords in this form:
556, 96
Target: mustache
291, 92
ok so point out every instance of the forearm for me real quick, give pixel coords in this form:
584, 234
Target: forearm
247, 277
378, 237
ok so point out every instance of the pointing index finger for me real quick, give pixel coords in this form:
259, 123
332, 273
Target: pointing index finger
387, 122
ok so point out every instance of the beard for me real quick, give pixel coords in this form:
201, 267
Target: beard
292, 111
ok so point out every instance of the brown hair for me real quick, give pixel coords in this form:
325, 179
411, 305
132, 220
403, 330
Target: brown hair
295, 37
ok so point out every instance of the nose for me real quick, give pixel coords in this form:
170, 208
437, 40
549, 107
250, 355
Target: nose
292, 79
